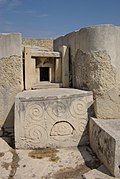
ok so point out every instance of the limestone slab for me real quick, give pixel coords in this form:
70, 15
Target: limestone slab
51, 118
4, 147
105, 142
45, 54
99, 173
10, 44
11, 76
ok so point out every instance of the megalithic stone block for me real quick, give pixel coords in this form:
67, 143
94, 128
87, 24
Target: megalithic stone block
51, 118
105, 142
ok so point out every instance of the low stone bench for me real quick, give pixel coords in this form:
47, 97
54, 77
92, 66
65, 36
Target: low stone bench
105, 142
51, 117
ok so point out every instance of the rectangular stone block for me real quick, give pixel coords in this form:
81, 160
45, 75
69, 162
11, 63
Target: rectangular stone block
105, 142
11, 76
10, 44
51, 118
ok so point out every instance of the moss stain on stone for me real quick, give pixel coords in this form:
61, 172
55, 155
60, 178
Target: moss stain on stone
6, 165
70, 172
2, 154
44, 153
14, 164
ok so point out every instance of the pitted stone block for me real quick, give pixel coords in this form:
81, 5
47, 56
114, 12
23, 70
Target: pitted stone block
105, 142
51, 117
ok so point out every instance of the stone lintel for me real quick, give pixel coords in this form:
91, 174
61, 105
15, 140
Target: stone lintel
45, 54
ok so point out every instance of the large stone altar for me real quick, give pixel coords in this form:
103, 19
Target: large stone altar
51, 117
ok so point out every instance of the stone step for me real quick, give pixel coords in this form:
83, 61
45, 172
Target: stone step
105, 141
99, 173
46, 85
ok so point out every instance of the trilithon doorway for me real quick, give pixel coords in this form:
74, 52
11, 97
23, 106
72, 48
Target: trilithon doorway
44, 73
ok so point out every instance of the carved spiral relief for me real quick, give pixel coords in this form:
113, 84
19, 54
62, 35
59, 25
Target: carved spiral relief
78, 108
34, 111
57, 109
36, 134
82, 125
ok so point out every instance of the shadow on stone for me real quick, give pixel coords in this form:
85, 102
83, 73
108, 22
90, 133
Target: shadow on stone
8, 128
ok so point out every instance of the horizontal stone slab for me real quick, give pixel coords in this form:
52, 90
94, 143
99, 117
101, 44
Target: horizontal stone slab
105, 142
46, 85
45, 54
51, 118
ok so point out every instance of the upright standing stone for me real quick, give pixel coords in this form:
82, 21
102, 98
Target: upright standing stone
65, 66
58, 71
10, 76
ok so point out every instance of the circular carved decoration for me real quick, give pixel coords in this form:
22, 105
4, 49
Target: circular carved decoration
34, 111
36, 134
78, 108
57, 109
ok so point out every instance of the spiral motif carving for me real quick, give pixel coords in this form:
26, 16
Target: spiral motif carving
36, 134
34, 111
78, 108
82, 125
57, 109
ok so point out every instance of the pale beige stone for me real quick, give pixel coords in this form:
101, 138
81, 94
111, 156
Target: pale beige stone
51, 118
58, 70
99, 173
94, 60
6, 165
29, 68
104, 140
4, 147
11, 76
41, 43
65, 66
107, 106
45, 54
10, 45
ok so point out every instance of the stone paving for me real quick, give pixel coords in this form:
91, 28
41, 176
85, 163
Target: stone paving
64, 163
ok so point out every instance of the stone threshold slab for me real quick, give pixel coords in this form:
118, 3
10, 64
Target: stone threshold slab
53, 93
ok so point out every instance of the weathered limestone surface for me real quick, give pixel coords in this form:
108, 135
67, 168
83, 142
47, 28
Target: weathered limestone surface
51, 118
4, 147
65, 66
99, 173
94, 71
47, 163
95, 62
45, 43
105, 142
10, 44
108, 105
10, 76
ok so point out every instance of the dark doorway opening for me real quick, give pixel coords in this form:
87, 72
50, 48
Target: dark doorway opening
44, 73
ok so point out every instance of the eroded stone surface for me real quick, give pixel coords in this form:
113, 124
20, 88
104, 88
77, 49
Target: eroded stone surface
105, 142
51, 117
4, 146
94, 71
99, 173
95, 64
11, 76
107, 106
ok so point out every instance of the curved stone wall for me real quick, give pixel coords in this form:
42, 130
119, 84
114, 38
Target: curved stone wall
95, 61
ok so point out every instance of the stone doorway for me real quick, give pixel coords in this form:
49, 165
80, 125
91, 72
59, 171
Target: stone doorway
44, 74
